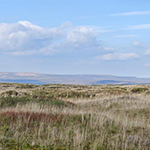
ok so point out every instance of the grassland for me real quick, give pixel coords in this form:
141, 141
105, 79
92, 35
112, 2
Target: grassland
74, 117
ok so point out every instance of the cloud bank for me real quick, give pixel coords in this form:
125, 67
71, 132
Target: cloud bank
118, 56
25, 38
134, 13
147, 52
139, 27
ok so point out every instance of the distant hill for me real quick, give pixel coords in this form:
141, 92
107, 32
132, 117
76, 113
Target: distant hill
36, 78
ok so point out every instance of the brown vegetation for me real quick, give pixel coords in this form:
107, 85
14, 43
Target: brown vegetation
75, 117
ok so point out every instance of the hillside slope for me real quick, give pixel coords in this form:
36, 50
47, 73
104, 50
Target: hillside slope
35, 78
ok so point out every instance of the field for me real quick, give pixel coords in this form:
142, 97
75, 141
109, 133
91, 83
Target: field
74, 117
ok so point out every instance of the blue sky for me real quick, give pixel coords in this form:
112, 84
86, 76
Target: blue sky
75, 37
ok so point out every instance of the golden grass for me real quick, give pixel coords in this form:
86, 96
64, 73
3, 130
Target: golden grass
116, 117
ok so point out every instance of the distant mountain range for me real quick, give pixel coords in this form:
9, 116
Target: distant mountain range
36, 78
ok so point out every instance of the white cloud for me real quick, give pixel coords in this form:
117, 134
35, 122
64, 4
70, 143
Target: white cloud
66, 25
25, 38
147, 52
125, 36
134, 13
29, 25
108, 49
138, 27
147, 65
137, 44
82, 36
118, 56
22, 53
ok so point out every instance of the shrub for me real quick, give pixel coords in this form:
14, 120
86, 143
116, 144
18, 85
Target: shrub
139, 90
13, 101
25, 86
10, 93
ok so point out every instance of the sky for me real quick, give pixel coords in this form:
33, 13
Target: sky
75, 37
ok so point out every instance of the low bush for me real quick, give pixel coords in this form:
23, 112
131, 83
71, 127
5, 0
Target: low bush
139, 90
13, 101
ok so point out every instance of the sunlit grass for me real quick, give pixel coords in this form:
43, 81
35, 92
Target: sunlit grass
116, 117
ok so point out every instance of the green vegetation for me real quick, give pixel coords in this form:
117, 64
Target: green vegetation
26, 86
74, 117
14, 101
139, 90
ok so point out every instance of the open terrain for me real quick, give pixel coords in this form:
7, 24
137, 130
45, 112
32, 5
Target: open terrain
74, 117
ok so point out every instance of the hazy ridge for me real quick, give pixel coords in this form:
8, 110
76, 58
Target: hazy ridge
36, 78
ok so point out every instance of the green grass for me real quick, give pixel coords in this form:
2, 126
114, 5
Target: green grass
63, 117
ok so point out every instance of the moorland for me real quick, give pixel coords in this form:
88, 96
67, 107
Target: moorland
74, 117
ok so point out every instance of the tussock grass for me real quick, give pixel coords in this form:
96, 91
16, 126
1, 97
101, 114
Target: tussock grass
116, 117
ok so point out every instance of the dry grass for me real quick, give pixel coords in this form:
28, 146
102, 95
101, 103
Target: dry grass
110, 117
